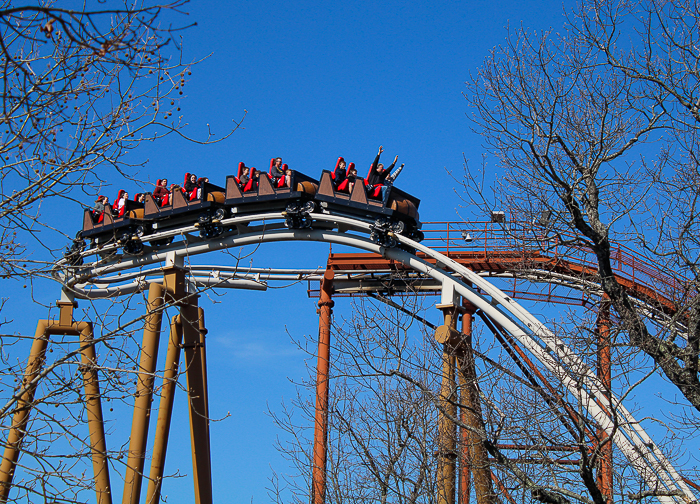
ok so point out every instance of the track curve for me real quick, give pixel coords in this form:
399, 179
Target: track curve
91, 280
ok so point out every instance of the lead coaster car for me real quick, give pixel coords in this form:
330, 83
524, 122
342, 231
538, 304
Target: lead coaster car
398, 214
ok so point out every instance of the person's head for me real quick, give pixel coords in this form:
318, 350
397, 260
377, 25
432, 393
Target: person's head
125, 195
352, 171
341, 165
193, 178
278, 162
245, 171
380, 167
288, 171
164, 182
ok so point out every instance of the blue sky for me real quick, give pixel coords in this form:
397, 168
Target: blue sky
318, 80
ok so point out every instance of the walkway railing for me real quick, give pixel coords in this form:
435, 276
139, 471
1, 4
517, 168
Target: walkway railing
521, 240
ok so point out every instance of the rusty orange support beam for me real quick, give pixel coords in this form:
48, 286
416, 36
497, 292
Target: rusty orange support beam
447, 429
605, 472
471, 413
325, 311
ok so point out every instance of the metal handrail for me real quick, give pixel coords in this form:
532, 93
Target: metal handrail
489, 238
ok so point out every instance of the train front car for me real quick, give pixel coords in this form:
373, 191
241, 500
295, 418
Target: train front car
253, 191
203, 207
105, 227
397, 212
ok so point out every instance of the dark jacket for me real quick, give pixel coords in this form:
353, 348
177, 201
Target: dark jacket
376, 178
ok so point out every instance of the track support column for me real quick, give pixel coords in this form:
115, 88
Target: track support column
192, 318
605, 471
473, 444
144, 394
93, 405
325, 311
24, 405
165, 411
447, 429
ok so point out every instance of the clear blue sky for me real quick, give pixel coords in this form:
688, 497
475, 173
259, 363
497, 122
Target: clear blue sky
319, 80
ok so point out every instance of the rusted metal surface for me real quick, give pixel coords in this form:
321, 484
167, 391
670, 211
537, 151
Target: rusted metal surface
472, 416
144, 395
325, 310
165, 411
447, 429
513, 247
605, 470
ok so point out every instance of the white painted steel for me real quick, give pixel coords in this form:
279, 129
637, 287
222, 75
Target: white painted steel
629, 436
642, 453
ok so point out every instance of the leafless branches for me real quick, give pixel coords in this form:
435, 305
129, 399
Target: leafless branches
598, 127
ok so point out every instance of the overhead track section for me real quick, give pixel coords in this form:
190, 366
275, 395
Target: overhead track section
352, 231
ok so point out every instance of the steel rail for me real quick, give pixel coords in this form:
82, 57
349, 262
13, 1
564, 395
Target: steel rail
632, 440
635, 440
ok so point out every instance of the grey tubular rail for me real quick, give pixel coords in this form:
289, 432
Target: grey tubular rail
551, 351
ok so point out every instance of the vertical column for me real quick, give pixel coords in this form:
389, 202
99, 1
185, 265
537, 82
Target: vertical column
465, 436
24, 405
605, 472
195, 362
325, 310
93, 405
165, 412
447, 429
144, 394
472, 416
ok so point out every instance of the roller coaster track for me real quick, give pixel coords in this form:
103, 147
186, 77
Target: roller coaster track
105, 272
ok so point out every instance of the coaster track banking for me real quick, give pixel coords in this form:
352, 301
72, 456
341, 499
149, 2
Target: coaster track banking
97, 279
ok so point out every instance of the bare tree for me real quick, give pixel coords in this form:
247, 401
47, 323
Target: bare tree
597, 129
80, 89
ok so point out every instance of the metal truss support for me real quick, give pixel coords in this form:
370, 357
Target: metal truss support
474, 454
165, 411
93, 404
325, 310
144, 395
605, 471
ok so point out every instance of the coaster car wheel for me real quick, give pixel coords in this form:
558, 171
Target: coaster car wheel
398, 227
309, 207
220, 214
162, 243
211, 231
293, 208
133, 247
